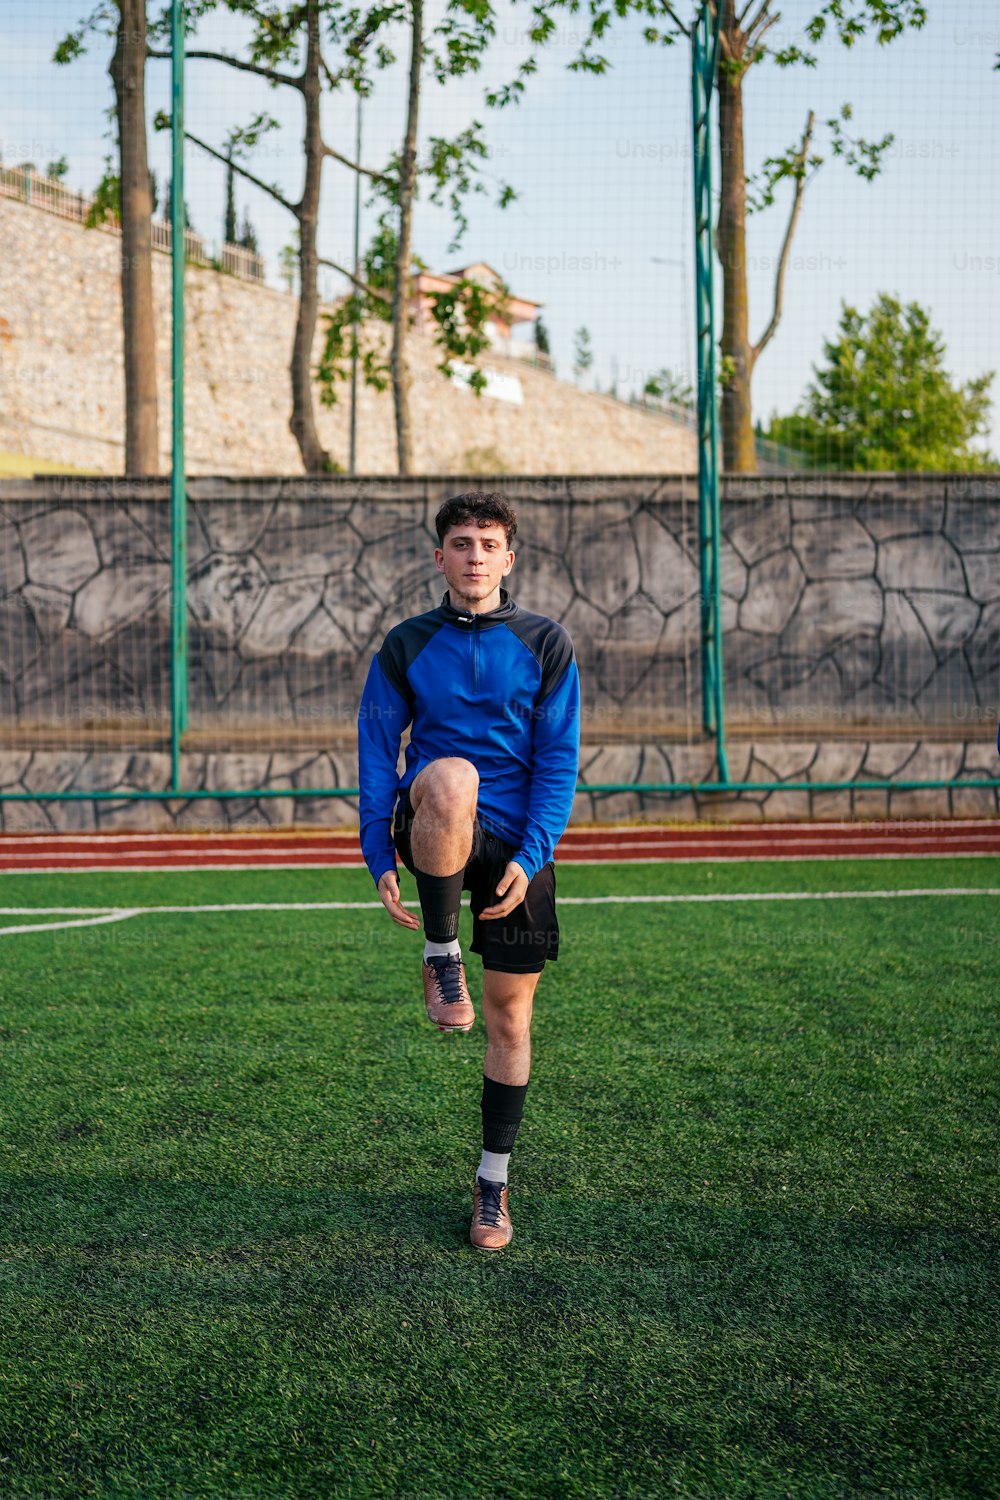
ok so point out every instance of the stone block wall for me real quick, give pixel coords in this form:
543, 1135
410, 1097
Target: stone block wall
62, 384
861, 614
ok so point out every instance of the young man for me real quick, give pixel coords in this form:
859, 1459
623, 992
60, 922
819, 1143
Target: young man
492, 696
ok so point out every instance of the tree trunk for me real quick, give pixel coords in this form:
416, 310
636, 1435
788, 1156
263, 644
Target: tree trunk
401, 288
738, 448
128, 74
315, 459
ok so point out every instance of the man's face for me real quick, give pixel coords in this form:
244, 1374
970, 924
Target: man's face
474, 559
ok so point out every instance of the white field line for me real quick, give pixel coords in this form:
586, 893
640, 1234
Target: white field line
715, 897
113, 916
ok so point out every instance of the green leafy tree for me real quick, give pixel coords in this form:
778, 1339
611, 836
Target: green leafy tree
542, 343
884, 400
744, 43
583, 354
57, 170
664, 385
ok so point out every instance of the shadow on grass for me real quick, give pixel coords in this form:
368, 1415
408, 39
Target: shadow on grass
150, 1241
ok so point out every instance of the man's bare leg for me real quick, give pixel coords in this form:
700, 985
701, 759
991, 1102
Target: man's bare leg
443, 797
507, 1006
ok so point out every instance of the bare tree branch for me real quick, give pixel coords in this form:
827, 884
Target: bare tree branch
228, 161
675, 18
746, 11
779, 282
234, 62
756, 40
356, 166
748, 30
362, 286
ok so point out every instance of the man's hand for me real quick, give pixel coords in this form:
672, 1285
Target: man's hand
511, 890
388, 889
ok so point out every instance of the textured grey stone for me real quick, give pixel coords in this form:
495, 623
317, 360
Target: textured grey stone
541, 583
102, 771
235, 525
832, 611
377, 521
116, 597
983, 651
837, 761
224, 593
734, 576
236, 772
898, 516
13, 764
949, 694
907, 656
858, 660
949, 619
283, 610
311, 539
784, 761
973, 525
757, 532
397, 567
60, 550
668, 574
604, 564
12, 574
136, 537
835, 548
20, 640
354, 607
50, 609
627, 652
683, 630
775, 588
982, 569
920, 563
321, 636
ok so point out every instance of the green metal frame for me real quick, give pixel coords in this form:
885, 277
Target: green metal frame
178, 491
704, 63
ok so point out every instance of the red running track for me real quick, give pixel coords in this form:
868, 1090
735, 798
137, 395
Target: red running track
324, 849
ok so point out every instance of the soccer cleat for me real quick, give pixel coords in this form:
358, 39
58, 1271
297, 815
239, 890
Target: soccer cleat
491, 1226
446, 994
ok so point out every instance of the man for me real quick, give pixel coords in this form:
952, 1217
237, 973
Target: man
492, 695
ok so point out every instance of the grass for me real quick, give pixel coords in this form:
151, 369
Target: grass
754, 1198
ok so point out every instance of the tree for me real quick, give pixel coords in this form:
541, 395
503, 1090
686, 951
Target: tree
541, 336
125, 20
673, 389
742, 45
57, 170
583, 354
248, 235
883, 399
290, 36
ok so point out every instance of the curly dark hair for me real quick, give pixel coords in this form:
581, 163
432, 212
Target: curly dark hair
486, 509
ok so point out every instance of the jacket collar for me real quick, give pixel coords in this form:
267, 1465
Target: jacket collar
503, 612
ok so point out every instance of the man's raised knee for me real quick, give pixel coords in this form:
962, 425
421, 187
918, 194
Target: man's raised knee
448, 784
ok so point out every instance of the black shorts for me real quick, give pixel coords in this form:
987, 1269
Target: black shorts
519, 943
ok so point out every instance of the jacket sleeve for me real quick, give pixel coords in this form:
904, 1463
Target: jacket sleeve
382, 717
555, 762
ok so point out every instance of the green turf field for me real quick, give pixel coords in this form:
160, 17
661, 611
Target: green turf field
754, 1197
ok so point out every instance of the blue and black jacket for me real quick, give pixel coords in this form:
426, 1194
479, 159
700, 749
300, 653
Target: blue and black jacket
499, 689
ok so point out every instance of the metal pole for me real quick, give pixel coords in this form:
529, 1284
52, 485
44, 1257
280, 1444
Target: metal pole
178, 495
704, 61
357, 326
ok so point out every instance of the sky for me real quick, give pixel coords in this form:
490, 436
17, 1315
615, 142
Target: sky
601, 231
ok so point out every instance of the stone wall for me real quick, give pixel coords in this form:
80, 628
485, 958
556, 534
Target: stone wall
62, 393
862, 635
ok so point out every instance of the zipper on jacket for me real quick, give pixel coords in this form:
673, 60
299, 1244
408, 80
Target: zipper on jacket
475, 654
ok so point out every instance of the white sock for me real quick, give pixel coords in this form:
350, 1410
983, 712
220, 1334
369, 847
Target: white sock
441, 950
493, 1166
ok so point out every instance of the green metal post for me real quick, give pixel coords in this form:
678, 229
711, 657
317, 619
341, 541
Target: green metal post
704, 61
178, 493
